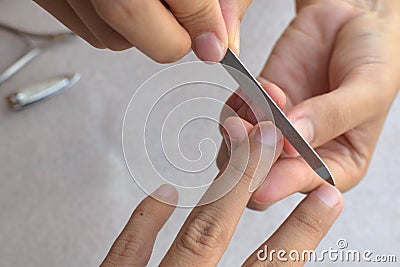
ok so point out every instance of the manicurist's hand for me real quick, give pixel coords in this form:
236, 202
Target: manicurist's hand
335, 73
164, 30
208, 230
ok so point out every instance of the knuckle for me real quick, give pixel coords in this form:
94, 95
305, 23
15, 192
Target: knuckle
126, 248
308, 223
360, 163
191, 15
203, 235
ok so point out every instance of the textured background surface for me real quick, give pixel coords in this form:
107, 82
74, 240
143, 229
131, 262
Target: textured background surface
65, 192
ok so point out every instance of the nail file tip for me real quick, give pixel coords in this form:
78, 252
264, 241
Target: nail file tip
325, 174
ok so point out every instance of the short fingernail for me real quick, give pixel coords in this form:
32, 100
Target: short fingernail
165, 192
328, 194
306, 128
208, 47
266, 134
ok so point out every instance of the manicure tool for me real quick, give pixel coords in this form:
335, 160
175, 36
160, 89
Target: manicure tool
37, 43
37, 92
47, 40
253, 89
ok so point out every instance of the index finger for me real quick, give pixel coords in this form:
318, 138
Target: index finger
134, 245
148, 25
207, 231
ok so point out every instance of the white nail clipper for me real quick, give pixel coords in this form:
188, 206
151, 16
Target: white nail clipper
42, 90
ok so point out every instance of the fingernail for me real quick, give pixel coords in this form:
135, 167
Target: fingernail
266, 134
306, 128
328, 194
236, 41
234, 133
165, 192
208, 47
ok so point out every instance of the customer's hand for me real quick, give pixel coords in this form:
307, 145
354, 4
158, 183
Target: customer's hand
208, 230
162, 29
338, 65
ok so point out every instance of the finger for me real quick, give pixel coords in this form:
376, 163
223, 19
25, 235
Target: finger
303, 229
209, 228
286, 177
205, 24
236, 129
148, 25
239, 98
338, 111
348, 165
233, 12
237, 103
62, 11
134, 245
103, 32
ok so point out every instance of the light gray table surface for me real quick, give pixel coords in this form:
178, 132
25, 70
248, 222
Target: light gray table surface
65, 191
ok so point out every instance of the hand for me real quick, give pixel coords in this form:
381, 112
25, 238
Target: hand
207, 232
164, 30
337, 65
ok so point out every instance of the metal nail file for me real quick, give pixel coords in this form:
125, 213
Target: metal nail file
252, 88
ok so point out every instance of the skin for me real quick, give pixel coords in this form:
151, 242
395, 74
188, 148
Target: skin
208, 26
340, 64
208, 230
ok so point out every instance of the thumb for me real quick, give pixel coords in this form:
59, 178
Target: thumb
325, 117
233, 12
205, 24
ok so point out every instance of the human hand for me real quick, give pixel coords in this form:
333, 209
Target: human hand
337, 65
164, 30
209, 228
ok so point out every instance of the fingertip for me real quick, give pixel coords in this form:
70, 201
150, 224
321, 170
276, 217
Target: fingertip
237, 128
266, 133
208, 47
329, 195
166, 193
274, 91
289, 149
